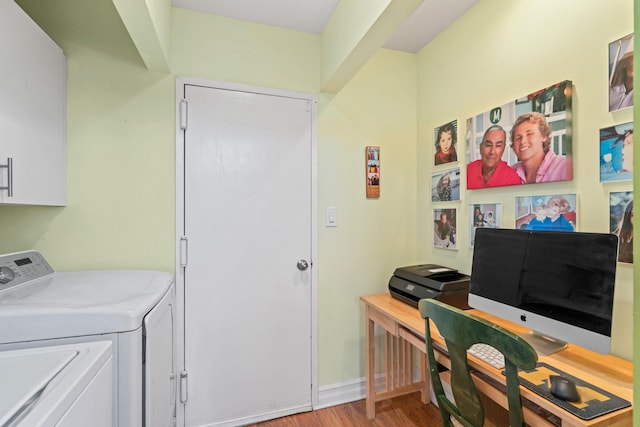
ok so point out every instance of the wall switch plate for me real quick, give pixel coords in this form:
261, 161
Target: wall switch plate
331, 217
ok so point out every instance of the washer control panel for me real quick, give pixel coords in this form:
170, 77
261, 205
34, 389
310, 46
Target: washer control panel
21, 267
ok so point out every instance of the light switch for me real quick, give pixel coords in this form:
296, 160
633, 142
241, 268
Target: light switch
331, 217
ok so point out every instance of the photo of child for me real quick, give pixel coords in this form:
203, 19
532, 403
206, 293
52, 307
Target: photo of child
445, 186
546, 213
616, 153
446, 138
444, 228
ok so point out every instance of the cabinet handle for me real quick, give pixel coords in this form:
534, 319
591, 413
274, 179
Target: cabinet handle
9, 167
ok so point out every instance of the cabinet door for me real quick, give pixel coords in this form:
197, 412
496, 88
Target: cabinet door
33, 86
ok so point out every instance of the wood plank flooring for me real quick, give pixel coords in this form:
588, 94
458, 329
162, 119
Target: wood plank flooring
404, 411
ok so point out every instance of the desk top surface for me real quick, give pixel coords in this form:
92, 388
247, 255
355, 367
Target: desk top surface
606, 371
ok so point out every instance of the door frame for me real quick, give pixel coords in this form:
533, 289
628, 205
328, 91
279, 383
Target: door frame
181, 82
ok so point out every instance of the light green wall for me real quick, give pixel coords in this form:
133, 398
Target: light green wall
374, 236
500, 51
343, 33
229, 50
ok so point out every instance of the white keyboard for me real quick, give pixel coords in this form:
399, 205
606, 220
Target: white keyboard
487, 354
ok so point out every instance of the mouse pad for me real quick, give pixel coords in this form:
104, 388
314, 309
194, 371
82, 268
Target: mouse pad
594, 400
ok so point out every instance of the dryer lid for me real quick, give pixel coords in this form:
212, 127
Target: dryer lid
70, 304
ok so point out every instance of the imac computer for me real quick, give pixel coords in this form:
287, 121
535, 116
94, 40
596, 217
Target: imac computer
559, 285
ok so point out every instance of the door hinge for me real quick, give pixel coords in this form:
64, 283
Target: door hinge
183, 386
184, 246
183, 114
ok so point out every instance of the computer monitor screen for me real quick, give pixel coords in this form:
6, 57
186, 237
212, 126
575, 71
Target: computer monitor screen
559, 285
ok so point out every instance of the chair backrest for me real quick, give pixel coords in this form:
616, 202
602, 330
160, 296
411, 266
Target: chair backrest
460, 331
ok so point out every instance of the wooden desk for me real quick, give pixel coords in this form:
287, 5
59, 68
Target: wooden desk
405, 329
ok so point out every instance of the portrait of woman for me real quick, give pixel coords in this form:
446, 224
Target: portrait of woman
621, 73
621, 218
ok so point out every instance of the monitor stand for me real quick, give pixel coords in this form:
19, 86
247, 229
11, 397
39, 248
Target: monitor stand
542, 344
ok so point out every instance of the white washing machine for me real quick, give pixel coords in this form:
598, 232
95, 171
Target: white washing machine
133, 309
57, 386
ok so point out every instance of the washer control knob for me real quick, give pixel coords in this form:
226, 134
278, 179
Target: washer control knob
6, 275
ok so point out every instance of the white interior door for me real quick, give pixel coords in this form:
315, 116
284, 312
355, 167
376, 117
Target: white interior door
248, 220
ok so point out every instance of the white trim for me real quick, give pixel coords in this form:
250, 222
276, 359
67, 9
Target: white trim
350, 391
337, 394
258, 418
179, 270
181, 82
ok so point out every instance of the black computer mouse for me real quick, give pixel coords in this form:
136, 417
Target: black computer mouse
563, 388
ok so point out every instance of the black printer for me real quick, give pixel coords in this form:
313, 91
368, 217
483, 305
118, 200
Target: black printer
413, 283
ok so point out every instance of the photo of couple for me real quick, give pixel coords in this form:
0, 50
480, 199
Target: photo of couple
537, 130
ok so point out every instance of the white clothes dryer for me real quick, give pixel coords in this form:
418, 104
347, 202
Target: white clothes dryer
57, 386
133, 309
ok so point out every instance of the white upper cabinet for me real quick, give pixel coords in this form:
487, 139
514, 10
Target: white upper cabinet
33, 112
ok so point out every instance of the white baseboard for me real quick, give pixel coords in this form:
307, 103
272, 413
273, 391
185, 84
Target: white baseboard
349, 391
337, 394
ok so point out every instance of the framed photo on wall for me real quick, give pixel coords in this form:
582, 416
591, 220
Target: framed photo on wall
525, 141
621, 73
445, 234
446, 143
547, 213
621, 223
445, 186
616, 153
485, 215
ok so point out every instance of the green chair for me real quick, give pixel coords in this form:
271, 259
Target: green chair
461, 330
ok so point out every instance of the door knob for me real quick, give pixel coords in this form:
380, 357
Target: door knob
302, 265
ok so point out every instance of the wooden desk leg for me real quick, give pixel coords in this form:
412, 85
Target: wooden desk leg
425, 393
371, 379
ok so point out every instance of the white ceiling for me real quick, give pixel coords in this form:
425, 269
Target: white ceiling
311, 16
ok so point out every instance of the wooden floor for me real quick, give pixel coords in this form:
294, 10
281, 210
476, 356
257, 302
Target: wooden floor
404, 411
